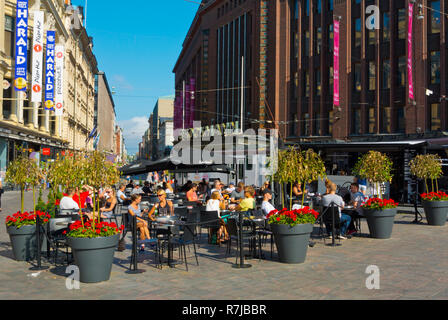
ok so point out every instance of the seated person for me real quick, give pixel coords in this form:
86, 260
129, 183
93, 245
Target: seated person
230, 189
217, 187
356, 198
238, 194
146, 188
192, 195
167, 187
135, 210
121, 197
265, 186
107, 210
130, 185
248, 203
164, 207
67, 202
215, 203
137, 190
266, 206
297, 190
332, 197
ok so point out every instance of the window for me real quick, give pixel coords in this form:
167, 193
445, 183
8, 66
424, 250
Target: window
306, 124
293, 126
400, 120
319, 40
331, 81
317, 129
358, 32
319, 6
402, 32
435, 67
356, 121
9, 36
435, 16
330, 122
307, 84
372, 120
386, 27
307, 43
372, 37
372, 75
386, 123
296, 45
330, 38
296, 84
402, 70
386, 74
7, 94
330, 5
357, 75
435, 117
318, 82
307, 8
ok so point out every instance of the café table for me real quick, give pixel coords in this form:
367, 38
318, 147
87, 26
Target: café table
356, 217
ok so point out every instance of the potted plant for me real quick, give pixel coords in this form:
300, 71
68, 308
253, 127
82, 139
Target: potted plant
435, 202
21, 228
292, 230
380, 215
376, 167
93, 242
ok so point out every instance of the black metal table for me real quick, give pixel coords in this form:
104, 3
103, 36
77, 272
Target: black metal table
167, 224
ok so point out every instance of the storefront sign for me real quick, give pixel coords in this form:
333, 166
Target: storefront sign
21, 45
46, 151
49, 71
38, 52
59, 80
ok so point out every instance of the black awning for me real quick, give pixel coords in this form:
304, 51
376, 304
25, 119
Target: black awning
145, 166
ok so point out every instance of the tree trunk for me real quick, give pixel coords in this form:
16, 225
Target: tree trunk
303, 193
22, 196
290, 199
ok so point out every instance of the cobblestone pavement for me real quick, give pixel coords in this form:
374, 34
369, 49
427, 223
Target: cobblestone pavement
413, 264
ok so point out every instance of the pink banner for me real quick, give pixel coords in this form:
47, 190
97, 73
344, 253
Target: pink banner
336, 64
186, 114
410, 82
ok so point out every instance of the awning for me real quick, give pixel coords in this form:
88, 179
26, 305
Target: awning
145, 166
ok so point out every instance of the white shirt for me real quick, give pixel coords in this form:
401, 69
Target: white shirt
267, 207
213, 205
168, 191
230, 190
137, 191
119, 194
68, 203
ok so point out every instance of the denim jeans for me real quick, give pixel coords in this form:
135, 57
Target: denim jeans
345, 222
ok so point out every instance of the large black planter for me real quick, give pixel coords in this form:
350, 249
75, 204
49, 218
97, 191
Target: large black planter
292, 242
380, 222
94, 257
436, 212
23, 242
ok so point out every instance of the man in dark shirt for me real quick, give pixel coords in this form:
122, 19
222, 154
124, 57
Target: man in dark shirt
146, 188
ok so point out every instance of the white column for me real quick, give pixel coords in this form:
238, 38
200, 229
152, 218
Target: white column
14, 104
47, 120
36, 115
1, 89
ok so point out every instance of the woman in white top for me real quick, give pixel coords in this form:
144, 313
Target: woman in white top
214, 203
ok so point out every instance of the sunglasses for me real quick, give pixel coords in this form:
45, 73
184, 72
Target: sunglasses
160, 195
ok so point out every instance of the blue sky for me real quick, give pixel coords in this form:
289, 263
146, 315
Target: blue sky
137, 44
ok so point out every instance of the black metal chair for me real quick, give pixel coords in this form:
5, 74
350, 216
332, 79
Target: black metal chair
232, 229
263, 230
332, 221
186, 237
181, 212
56, 237
209, 220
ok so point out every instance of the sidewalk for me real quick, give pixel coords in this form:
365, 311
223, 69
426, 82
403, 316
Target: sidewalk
413, 264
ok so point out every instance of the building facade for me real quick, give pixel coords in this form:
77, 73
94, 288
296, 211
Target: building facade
163, 111
27, 124
104, 114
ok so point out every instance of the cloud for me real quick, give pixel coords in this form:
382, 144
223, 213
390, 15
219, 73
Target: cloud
133, 130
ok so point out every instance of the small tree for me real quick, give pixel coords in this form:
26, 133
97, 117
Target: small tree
426, 167
21, 172
376, 167
312, 168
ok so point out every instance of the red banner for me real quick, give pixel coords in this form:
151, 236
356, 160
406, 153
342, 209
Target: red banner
336, 64
410, 80
46, 151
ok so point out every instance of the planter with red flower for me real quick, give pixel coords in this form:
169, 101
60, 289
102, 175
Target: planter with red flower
436, 207
21, 228
380, 215
292, 230
93, 245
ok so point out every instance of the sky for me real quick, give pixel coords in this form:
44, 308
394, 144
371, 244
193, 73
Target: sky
137, 44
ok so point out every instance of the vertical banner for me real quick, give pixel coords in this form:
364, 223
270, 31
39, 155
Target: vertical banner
192, 102
49, 71
186, 111
20, 73
336, 64
59, 80
410, 56
38, 52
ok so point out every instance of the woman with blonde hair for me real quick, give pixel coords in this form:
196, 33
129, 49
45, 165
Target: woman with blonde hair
248, 203
109, 205
135, 210
165, 207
